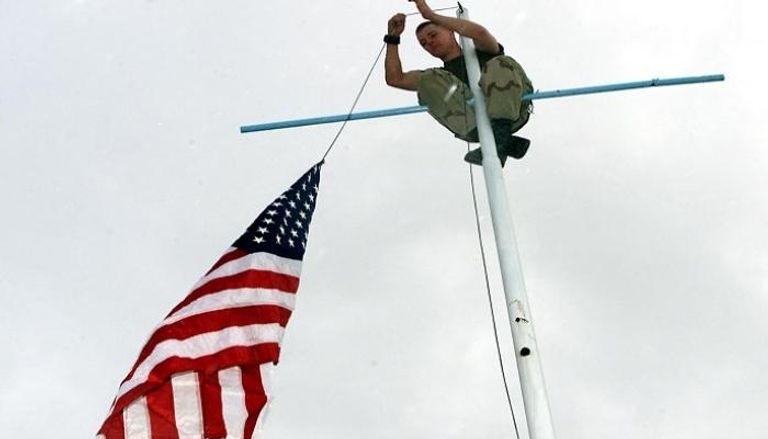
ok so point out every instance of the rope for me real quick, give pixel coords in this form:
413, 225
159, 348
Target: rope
360, 92
487, 281
354, 104
477, 224
490, 299
436, 10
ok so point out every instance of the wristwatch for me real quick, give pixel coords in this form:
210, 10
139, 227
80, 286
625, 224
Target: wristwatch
392, 39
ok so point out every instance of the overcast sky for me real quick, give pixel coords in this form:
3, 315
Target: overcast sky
641, 216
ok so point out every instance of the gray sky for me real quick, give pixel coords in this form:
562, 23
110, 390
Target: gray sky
639, 215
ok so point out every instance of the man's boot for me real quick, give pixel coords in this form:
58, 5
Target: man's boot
507, 145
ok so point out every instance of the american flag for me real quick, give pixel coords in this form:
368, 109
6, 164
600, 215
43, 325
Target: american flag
203, 372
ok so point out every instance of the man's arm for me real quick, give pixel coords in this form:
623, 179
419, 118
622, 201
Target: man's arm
483, 39
393, 68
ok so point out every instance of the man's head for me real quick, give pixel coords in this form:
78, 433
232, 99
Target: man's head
437, 40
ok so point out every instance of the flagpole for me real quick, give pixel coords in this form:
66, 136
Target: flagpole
527, 354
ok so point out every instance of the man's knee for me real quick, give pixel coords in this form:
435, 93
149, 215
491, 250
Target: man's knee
446, 98
438, 85
504, 84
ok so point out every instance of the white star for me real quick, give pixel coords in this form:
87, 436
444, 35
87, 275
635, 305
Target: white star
311, 197
282, 197
268, 221
303, 215
299, 224
292, 204
277, 203
282, 230
290, 242
294, 233
271, 212
307, 206
263, 230
277, 238
258, 240
287, 213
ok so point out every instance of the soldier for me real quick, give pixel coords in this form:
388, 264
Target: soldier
445, 90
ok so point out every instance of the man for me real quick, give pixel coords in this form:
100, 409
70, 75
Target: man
445, 91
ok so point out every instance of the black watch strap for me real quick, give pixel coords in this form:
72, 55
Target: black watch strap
392, 39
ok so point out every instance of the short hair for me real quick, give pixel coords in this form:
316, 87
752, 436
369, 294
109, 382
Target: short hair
423, 25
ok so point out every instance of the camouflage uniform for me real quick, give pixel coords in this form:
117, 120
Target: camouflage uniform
445, 91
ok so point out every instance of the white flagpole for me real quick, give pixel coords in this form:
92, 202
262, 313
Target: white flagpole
527, 356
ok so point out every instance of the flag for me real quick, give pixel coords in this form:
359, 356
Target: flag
201, 373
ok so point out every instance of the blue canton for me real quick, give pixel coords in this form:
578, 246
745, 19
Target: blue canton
283, 227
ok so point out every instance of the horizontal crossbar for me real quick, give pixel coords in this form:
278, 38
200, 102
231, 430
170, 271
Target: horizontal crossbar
532, 96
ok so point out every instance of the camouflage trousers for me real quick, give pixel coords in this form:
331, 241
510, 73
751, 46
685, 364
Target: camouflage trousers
503, 82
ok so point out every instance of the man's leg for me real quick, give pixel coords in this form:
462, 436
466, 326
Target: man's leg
504, 83
446, 99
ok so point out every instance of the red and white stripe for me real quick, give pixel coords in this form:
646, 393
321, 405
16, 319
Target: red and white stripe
201, 373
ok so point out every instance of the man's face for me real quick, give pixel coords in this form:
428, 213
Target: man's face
436, 40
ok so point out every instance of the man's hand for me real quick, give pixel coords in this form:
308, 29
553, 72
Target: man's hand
483, 39
396, 25
424, 9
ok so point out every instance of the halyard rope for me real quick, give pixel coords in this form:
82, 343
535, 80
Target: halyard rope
477, 223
